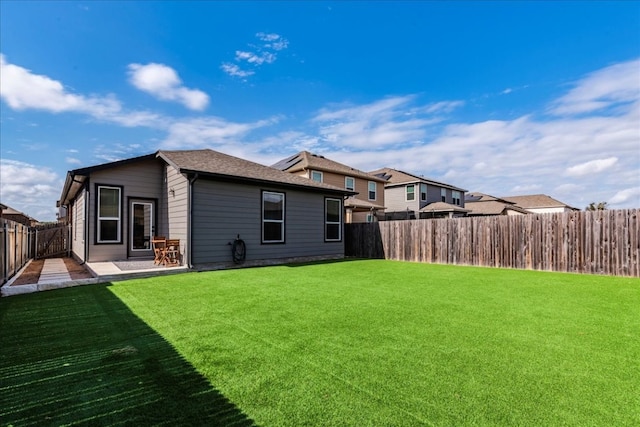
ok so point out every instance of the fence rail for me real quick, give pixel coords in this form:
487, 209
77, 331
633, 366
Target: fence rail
598, 242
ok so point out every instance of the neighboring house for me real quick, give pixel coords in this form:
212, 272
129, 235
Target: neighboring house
539, 203
206, 199
366, 206
409, 196
480, 204
7, 212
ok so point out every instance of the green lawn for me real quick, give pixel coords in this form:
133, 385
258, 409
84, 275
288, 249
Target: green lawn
356, 343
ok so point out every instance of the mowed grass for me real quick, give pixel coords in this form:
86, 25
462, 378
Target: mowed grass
372, 342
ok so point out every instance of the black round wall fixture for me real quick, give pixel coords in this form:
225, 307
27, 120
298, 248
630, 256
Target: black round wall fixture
238, 250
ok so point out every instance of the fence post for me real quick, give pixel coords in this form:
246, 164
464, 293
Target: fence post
5, 251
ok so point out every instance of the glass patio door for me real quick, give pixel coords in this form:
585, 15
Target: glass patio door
142, 228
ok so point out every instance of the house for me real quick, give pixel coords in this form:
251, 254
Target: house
480, 204
206, 199
540, 203
409, 196
365, 206
9, 213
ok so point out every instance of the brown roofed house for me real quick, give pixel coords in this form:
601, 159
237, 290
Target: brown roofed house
365, 206
409, 196
539, 203
480, 204
206, 199
11, 214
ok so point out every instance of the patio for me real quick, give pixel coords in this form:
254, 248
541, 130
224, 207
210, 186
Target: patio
57, 273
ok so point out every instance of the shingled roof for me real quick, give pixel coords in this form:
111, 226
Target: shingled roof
396, 177
304, 160
207, 163
443, 207
536, 201
215, 164
485, 204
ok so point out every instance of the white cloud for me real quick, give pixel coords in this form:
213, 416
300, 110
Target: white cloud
29, 188
253, 58
386, 123
163, 83
591, 167
235, 71
267, 37
260, 54
443, 107
618, 83
208, 132
625, 196
273, 41
23, 90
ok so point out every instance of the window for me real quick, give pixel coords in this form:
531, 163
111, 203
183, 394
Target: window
411, 192
316, 176
372, 190
423, 192
272, 217
456, 197
109, 214
443, 194
369, 217
332, 220
349, 183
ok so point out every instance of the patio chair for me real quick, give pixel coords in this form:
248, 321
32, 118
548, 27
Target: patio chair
172, 253
159, 244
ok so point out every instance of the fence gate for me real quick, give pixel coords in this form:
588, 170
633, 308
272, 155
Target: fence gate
52, 241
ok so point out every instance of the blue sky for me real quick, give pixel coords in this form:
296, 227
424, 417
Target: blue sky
505, 98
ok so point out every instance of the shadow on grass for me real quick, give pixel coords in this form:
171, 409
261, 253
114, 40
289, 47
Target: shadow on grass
80, 356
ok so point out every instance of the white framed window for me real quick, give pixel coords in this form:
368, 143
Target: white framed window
423, 192
350, 183
369, 217
316, 176
332, 220
456, 197
273, 216
372, 190
443, 194
109, 214
410, 192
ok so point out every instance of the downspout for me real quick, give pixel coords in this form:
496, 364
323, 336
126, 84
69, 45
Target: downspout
86, 222
192, 180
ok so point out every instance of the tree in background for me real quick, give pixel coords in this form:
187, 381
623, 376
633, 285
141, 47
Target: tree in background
593, 206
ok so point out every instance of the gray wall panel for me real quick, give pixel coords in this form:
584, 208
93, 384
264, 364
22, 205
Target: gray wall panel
224, 210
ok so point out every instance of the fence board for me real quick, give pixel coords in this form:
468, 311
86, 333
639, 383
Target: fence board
598, 242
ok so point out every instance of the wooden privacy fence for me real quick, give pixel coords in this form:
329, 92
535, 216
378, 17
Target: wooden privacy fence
599, 242
16, 247
52, 240
20, 243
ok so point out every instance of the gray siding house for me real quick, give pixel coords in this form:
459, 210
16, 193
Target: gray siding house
206, 199
409, 196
